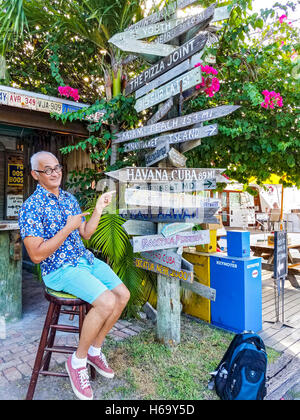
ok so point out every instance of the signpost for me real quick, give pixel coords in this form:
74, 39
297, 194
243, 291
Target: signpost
280, 272
158, 194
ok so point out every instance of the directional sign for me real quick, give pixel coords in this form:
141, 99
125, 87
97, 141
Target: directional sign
176, 158
132, 174
280, 255
175, 123
163, 110
169, 75
172, 88
174, 138
162, 14
200, 289
136, 227
163, 26
161, 152
196, 20
180, 54
194, 215
188, 186
137, 197
136, 46
167, 258
173, 228
154, 242
187, 276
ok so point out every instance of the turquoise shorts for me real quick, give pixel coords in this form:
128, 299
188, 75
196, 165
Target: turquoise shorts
86, 281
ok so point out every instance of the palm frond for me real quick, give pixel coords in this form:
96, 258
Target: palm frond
110, 237
13, 21
134, 279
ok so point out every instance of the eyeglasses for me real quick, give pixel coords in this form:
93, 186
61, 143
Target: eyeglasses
49, 171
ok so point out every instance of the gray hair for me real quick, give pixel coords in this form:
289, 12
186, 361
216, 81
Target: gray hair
34, 160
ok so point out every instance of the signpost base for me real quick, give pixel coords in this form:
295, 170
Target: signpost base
277, 324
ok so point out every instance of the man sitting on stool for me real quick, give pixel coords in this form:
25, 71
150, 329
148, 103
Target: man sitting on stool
51, 226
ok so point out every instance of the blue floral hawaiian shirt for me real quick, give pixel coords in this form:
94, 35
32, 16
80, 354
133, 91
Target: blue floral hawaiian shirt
43, 215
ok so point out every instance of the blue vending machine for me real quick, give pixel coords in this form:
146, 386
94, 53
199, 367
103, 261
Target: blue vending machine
238, 304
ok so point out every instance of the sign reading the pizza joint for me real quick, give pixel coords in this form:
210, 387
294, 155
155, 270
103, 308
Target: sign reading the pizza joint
15, 175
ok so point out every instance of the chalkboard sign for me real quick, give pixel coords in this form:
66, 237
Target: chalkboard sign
280, 255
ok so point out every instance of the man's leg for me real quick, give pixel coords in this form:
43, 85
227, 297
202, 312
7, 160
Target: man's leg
122, 296
102, 309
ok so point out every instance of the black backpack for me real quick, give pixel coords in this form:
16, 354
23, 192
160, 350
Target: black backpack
241, 374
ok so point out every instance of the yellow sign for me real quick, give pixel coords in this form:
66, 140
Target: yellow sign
15, 175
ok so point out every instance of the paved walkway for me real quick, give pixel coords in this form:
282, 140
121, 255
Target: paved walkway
16, 365
25, 334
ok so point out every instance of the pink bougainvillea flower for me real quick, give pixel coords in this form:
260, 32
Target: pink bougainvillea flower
271, 99
282, 18
211, 85
68, 92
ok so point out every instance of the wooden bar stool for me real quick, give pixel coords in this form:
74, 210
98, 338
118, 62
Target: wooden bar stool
46, 346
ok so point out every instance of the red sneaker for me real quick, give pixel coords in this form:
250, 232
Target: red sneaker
101, 365
80, 383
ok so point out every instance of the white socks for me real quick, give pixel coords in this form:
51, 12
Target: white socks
94, 351
80, 363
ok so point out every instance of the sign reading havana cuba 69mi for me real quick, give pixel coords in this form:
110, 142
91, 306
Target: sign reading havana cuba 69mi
131, 174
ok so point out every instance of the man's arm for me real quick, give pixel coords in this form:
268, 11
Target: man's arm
86, 229
38, 249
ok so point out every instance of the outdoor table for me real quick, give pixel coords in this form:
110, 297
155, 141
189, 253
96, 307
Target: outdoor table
266, 251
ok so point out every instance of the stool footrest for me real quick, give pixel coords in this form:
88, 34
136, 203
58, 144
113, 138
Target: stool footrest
61, 349
65, 328
49, 373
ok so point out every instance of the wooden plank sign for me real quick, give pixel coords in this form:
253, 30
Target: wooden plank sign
187, 276
137, 46
174, 138
149, 175
154, 242
172, 88
176, 158
161, 152
167, 258
175, 123
180, 54
186, 25
172, 228
194, 215
163, 110
136, 227
161, 14
137, 197
169, 75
